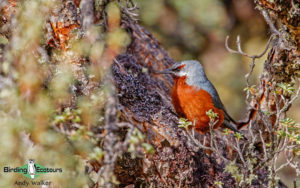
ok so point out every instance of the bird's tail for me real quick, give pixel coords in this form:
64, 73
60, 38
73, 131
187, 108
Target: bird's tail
230, 126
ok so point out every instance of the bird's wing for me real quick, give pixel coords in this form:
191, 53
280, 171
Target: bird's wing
209, 87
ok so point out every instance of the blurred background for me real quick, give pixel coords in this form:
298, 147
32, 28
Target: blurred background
197, 30
190, 29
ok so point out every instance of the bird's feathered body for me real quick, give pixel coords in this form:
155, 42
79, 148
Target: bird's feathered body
193, 95
193, 103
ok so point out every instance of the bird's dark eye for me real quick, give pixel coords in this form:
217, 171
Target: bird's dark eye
176, 69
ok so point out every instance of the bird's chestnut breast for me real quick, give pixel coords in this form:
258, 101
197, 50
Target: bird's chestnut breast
193, 103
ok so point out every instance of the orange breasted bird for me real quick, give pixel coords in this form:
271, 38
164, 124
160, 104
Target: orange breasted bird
193, 95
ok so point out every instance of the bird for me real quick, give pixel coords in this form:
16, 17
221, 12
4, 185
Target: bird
193, 95
31, 168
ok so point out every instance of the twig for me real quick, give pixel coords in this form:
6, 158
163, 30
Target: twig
213, 144
241, 52
129, 11
284, 143
292, 100
238, 149
269, 22
289, 160
197, 143
264, 145
253, 57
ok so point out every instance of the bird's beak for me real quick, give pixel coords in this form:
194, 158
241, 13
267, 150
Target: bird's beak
165, 71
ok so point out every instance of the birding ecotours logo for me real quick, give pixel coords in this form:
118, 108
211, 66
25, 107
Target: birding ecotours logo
31, 170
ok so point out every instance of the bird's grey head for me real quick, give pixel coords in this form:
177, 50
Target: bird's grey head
192, 69
30, 161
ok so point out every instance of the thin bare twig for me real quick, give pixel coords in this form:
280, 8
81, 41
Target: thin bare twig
264, 145
270, 23
213, 141
238, 149
129, 10
213, 144
197, 143
241, 52
292, 100
289, 160
253, 57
